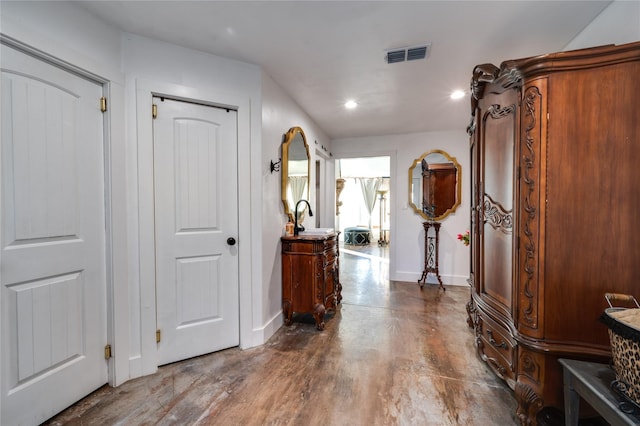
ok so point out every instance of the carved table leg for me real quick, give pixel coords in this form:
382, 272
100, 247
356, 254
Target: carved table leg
318, 315
287, 312
336, 280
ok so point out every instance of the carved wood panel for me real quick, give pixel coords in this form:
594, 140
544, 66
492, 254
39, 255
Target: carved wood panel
531, 206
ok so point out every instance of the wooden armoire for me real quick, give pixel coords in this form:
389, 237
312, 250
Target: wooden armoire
555, 212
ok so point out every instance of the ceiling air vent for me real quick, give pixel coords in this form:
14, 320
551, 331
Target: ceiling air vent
395, 56
414, 53
407, 54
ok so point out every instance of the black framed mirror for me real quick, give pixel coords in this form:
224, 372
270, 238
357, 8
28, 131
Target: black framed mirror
435, 185
295, 170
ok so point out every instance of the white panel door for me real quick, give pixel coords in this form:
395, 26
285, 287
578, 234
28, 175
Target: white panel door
196, 212
53, 239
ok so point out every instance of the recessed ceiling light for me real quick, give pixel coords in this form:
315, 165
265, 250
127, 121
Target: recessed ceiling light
350, 104
457, 94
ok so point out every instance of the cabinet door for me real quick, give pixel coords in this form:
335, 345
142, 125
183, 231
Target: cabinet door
299, 280
494, 155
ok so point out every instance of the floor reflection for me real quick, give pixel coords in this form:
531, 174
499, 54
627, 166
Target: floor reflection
366, 268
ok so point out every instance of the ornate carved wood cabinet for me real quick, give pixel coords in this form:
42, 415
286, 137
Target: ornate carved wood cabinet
555, 207
310, 276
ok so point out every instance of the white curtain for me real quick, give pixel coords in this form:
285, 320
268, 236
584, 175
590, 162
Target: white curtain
297, 185
370, 188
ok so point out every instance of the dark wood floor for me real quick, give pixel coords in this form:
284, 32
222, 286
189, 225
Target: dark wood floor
392, 354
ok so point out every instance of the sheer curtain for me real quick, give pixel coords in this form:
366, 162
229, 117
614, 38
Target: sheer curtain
370, 188
297, 185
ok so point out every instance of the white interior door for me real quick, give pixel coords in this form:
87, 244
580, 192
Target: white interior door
53, 239
196, 215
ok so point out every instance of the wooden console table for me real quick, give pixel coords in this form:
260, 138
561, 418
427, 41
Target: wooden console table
592, 382
310, 276
431, 243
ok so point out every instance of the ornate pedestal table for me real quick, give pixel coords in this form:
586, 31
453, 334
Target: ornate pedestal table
431, 242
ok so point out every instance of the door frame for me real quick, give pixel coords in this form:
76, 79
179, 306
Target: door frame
326, 180
114, 206
393, 185
146, 362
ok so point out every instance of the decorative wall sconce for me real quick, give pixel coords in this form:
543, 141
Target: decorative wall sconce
275, 167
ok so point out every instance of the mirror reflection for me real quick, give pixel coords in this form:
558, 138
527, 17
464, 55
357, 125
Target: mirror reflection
435, 186
295, 172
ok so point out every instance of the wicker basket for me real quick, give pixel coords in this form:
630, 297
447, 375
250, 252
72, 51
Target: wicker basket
624, 333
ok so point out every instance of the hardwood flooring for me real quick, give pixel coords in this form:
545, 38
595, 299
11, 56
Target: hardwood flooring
392, 354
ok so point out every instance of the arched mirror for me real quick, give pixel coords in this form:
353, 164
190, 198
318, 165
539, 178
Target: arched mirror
435, 185
295, 171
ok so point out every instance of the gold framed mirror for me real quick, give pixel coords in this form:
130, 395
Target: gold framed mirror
435, 185
295, 171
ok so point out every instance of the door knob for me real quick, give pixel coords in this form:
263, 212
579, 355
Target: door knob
231, 241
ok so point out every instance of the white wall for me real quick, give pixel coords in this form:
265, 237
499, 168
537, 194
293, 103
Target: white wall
65, 31
406, 248
279, 114
619, 23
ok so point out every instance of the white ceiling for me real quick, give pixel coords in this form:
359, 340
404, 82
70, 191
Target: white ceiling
325, 52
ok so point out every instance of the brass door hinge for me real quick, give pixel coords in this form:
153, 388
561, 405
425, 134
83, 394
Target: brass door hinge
103, 104
154, 111
107, 351
158, 336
